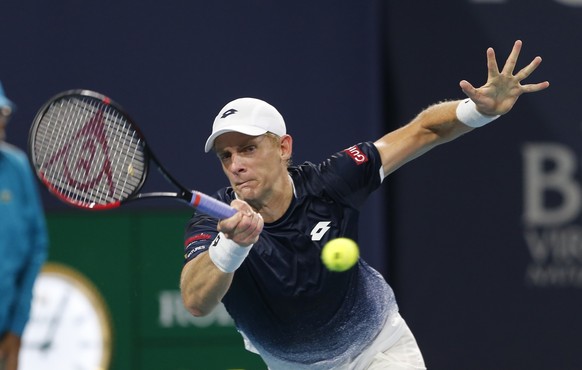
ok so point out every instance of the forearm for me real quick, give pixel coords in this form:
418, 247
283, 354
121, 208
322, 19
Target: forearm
439, 124
203, 285
435, 125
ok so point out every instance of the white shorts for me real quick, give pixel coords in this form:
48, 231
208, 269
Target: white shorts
394, 348
403, 355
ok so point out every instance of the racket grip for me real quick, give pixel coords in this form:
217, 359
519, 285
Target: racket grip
210, 206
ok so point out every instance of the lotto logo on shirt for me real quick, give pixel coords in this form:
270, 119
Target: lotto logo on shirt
357, 155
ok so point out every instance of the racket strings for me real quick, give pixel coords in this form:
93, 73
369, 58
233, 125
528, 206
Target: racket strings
88, 152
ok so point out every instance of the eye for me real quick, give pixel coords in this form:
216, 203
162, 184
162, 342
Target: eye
249, 149
223, 157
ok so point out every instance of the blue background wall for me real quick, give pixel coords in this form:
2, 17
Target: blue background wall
483, 281
173, 65
481, 285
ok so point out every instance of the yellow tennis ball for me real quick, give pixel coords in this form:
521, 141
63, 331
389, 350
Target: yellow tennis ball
340, 254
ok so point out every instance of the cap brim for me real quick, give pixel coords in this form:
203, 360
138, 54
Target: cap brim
247, 130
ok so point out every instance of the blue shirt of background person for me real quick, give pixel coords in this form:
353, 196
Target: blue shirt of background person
23, 240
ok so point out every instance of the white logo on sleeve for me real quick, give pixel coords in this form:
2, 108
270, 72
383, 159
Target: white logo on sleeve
319, 230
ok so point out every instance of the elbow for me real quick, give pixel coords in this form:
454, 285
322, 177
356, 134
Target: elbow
197, 311
197, 307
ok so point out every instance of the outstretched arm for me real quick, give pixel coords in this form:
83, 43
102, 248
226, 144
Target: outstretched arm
440, 123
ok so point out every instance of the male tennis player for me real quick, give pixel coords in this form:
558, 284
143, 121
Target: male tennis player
264, 262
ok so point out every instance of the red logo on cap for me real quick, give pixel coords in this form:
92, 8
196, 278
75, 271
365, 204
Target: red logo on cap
357, 155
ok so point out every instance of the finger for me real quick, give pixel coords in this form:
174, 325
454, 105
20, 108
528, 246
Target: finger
535, 87
527, 70
240, 205
492, 67
228, 225
468, 89
257, 228
245, 224
512, 59
249, 228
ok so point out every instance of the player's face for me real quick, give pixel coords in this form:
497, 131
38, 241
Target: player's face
254, 165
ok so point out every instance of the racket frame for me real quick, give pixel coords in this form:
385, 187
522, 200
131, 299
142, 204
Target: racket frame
184, 194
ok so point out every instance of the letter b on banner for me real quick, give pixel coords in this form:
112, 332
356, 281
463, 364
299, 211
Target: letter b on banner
550, 168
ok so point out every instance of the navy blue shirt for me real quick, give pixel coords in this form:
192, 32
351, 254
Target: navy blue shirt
282, 298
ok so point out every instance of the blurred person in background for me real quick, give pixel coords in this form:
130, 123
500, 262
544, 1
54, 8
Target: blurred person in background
23, 240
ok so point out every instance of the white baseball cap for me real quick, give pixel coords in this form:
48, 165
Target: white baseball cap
248, 116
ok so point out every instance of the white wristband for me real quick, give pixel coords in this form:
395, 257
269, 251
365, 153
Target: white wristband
468, 114
226, 254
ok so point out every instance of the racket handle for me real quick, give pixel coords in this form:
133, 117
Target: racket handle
210, 206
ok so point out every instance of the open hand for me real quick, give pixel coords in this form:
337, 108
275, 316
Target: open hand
503, 88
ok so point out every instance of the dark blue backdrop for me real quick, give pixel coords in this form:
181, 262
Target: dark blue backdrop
484, 281
485, 276
173, 65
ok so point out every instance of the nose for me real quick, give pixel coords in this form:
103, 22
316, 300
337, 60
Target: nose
237, 164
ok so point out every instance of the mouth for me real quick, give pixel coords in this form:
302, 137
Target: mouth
242, 184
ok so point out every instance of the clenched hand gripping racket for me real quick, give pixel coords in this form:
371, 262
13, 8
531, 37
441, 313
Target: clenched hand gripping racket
89, 153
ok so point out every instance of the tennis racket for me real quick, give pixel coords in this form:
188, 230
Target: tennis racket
90, 154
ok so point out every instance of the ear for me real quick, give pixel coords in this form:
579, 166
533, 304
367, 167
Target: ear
286, 147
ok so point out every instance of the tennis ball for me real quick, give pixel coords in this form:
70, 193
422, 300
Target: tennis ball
340, 254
